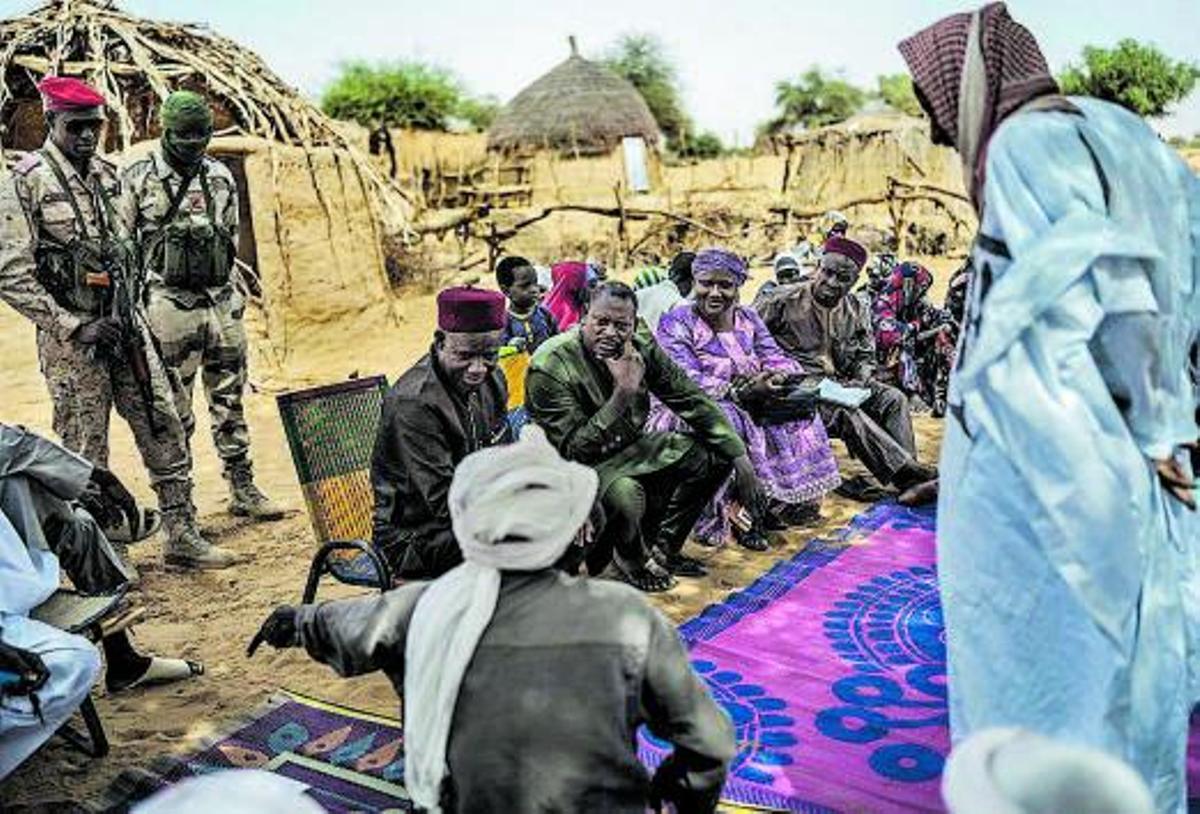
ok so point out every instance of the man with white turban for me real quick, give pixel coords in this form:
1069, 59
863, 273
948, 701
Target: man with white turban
524, 686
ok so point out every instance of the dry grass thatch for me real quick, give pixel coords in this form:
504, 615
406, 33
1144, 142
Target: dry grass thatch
579, 106
136, 62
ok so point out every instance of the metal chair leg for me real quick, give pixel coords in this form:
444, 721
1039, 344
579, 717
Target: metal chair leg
95, 744
320, 565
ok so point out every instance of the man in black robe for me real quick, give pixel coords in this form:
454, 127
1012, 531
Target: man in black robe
452, 402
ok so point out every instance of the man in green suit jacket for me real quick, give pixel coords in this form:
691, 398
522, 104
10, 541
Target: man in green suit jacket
590, 389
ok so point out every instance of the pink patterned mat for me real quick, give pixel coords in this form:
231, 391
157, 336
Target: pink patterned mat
832, 665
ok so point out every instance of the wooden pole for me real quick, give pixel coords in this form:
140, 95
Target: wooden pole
622, 228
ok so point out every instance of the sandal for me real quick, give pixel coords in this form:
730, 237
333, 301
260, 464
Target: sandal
149, 521
802, 514
681, 565
863, 489
159, 671
753, 540
645, 578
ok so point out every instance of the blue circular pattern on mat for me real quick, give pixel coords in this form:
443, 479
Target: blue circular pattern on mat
890, 621
764, 733
889, 630
908, 762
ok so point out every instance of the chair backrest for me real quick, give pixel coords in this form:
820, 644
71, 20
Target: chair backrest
515, 366
331, 431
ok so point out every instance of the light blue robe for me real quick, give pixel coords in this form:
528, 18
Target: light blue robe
1068, 580
29, 575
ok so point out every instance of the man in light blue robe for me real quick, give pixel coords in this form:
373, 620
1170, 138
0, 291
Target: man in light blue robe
1067, 536
28, 576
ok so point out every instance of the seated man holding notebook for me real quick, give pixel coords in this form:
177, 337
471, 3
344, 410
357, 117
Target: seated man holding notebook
829, 333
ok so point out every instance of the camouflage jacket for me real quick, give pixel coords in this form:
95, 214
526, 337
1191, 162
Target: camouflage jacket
146, 201
34, 209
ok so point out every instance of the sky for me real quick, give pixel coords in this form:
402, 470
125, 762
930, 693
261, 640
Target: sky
730, 53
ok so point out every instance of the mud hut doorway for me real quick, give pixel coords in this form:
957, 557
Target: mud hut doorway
247, 245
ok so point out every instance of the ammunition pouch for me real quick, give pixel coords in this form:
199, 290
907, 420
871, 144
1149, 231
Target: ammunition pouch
192, 254
78, 275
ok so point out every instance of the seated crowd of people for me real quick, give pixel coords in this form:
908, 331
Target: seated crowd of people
651, 417
704, 419
569, 424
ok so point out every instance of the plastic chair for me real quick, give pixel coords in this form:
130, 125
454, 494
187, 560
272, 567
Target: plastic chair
331, 432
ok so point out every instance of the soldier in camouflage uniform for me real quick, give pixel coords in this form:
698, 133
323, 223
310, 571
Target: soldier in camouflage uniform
181, 208
63, 258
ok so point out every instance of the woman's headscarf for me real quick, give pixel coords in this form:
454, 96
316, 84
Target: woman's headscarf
513, 508
648, 276
565, 300
905, 287
970, 71
716, 259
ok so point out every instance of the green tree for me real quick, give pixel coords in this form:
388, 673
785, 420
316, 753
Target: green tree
704, 145
814, 100
643, 61
1134, 75
402, 94
480, 112
896, 91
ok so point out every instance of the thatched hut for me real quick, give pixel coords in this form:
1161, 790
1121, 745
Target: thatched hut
315, 211
882, 170
592, 125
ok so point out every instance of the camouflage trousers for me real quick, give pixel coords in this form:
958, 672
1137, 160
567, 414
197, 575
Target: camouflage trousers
208, 339
85, 386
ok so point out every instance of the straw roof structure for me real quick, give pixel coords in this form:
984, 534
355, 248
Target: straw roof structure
137, 62
578, 107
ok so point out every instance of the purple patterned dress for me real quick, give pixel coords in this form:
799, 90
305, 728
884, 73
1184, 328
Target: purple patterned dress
794, 461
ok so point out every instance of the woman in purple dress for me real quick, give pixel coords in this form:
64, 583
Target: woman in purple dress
728, 351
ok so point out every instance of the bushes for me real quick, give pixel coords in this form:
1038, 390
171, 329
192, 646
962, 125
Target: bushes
403, 94
1136, 76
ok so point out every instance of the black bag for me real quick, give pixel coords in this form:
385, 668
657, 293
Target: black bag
799, 403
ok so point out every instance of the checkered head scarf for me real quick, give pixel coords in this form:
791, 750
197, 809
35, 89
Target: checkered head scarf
970, 71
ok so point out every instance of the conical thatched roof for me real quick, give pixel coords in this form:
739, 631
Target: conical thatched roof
579, 106
137, 62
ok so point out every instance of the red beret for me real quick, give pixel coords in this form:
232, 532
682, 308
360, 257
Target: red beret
61, 93
470, 310
847, 248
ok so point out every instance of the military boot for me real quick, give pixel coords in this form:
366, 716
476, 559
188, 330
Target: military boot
245, 499
186, 547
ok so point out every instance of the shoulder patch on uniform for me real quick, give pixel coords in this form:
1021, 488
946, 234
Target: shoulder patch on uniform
27, 163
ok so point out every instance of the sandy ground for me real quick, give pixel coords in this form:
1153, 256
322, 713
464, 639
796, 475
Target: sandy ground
211, 616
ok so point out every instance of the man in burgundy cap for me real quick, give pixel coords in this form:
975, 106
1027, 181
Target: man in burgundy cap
452, 402
63, 254
829, 332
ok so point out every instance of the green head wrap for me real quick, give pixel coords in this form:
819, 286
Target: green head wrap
185, 110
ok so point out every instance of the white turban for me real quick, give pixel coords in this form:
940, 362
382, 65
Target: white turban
513, 508
1015, 771
232, 791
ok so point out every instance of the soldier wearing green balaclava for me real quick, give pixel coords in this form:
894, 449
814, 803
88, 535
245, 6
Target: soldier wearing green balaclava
187, 123
181, 205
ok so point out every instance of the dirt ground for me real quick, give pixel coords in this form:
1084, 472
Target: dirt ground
211, 616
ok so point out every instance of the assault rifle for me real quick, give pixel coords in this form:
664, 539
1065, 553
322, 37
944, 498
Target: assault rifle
135, 347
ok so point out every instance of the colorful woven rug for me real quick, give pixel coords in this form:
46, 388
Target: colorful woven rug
352, 761
833, 668
832, 665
